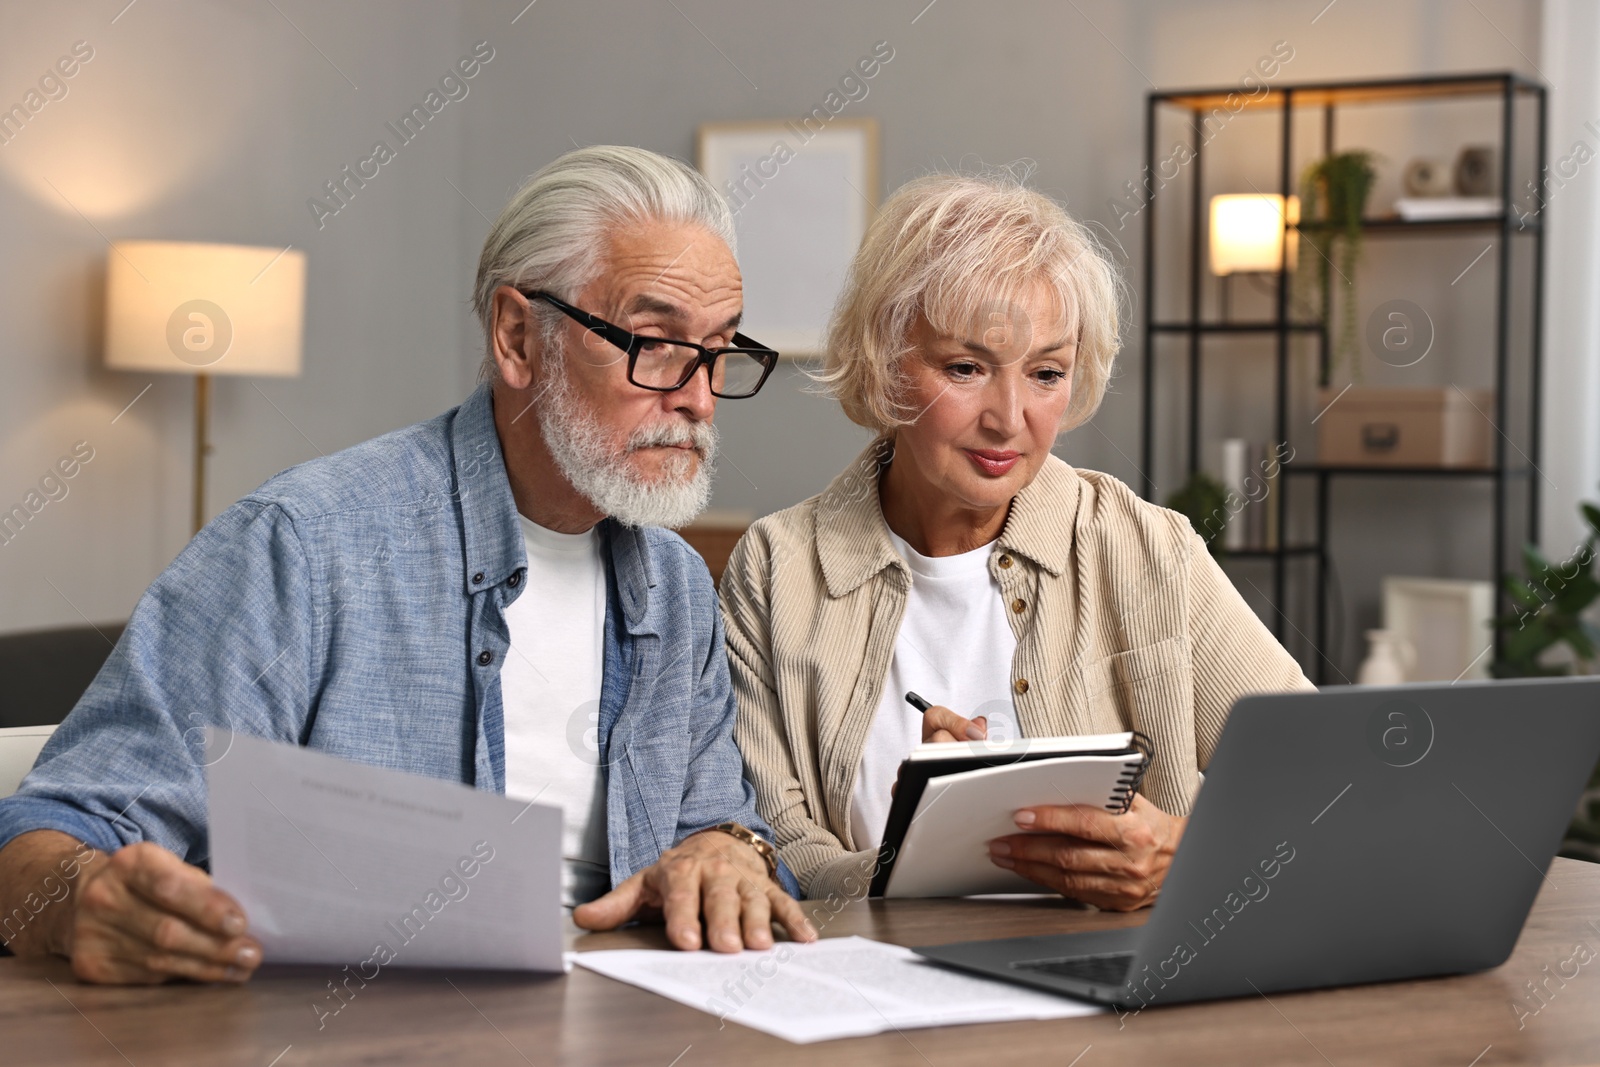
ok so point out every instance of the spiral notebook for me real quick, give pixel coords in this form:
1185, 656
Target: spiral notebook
952, 799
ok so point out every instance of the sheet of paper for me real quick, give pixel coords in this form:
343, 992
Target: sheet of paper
336, 862
946, 852
839, 987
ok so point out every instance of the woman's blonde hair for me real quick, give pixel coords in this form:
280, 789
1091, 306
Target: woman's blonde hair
955, 249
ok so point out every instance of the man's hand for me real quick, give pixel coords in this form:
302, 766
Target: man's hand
1115, 862
939, 723
144, 916
710, 874
137, 917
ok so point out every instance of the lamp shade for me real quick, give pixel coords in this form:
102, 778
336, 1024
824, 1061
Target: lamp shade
190, 308
1247, 232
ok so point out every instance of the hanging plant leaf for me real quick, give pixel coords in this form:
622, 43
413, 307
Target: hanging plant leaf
1334, 192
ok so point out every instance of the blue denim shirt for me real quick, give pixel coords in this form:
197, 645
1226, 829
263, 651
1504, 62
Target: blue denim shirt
356, 604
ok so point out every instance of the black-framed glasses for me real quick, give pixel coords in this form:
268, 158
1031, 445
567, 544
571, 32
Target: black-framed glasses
663, 365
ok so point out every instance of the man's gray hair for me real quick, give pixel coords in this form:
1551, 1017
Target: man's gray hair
551, 235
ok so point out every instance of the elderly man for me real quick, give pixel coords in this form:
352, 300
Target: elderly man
484, 597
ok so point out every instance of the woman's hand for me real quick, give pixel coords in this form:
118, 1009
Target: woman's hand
939, 723
1115, 862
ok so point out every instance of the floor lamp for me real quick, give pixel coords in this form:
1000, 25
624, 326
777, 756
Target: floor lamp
204, 309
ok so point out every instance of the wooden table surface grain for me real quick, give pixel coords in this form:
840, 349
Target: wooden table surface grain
465, 1017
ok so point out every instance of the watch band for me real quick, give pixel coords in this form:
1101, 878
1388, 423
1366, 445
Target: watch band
763, 847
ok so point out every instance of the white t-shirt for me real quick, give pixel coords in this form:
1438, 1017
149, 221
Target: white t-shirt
550, 687
954, 648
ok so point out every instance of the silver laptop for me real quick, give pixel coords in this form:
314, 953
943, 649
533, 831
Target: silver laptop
1360, 834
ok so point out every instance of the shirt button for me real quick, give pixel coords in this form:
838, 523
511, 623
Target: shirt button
1020, 685
485, 658
1019, 605
513, 580
1005, 561
477, 579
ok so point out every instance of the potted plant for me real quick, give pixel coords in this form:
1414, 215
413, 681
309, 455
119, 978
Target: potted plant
1550, 603
1335, 190
1204, 502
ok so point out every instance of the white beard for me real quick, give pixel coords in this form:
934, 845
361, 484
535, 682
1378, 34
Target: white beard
586, 458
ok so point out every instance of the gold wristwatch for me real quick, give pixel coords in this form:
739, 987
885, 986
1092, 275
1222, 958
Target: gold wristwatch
764, 849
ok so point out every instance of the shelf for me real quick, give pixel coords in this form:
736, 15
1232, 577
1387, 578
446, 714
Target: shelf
1325, 94
1471, 224
1234, 327
1510, 111
1403, 472
1268, 553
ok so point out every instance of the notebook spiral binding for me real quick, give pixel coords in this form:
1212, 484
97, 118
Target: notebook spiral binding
1128, 784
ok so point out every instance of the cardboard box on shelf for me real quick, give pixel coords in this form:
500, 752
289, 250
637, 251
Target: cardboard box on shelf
1370, 426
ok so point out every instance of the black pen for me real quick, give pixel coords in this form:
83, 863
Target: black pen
917, 702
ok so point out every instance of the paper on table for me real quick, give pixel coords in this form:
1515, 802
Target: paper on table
947, 854
839, 987
337, 862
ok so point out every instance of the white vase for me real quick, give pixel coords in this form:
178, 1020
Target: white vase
1389, 658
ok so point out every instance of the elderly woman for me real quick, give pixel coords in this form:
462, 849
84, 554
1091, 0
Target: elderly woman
959, 558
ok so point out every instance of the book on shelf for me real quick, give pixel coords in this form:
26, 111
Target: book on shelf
1250, 472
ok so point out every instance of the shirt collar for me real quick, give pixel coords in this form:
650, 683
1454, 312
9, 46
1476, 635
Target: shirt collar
853, 539
629, 555
492, 535
492, 532
1044, 515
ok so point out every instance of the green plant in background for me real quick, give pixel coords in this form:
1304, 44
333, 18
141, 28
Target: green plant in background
1334, 191
1550, 601
1548, 604
1204, 502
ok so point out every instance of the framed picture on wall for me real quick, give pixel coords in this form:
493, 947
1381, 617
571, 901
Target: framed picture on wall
1447, 622
802, 193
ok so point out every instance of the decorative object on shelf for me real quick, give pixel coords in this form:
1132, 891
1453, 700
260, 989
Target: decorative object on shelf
1432, 208
1426, 177
1235, 471
1475, 171
1335, 191
802, 194
1389, 658
204, 309
1548, 607
1420, 427
1248, 237
1250, 471
1204, 502
1448, 622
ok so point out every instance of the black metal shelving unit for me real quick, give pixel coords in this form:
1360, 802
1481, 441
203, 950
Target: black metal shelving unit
1509, 88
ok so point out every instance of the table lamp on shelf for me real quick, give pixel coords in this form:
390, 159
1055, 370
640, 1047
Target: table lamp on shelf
202, 309
1247, 234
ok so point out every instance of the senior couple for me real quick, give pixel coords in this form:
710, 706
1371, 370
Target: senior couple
527, 584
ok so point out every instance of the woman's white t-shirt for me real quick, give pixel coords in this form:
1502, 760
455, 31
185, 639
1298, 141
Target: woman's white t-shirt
954, 648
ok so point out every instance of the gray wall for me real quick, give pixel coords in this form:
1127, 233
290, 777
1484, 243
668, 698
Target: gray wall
217, 121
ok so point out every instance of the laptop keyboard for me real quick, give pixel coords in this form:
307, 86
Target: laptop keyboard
1108, 969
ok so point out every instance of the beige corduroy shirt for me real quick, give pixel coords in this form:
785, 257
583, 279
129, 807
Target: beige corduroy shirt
1123, 622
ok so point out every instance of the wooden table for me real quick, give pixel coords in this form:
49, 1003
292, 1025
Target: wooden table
472, 1018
